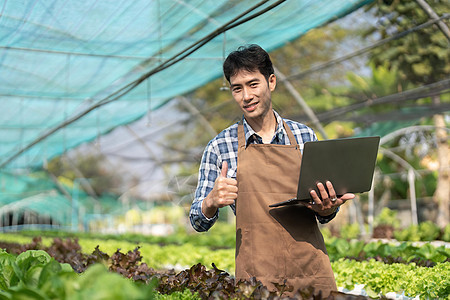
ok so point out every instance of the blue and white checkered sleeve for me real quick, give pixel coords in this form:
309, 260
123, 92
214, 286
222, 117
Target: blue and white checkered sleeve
208, 173
303, 133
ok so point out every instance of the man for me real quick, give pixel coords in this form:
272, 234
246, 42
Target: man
255, 163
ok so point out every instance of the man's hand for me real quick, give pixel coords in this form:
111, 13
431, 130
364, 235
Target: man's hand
326, 202
224, 193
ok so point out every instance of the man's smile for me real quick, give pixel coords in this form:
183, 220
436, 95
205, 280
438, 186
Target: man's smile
251, 107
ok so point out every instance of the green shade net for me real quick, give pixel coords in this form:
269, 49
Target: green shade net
37, 194
59, 59
66, 69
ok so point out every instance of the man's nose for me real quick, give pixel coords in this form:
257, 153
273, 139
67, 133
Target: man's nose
246, 94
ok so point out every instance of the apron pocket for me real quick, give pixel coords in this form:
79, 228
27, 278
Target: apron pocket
304, 260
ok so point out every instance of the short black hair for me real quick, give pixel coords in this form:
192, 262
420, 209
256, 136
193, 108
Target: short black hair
250, 58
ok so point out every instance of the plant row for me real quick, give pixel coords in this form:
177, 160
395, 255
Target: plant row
376, 276
188, 253
408, 279
425, 255
223, 235
34, 274
423, 232
159, 257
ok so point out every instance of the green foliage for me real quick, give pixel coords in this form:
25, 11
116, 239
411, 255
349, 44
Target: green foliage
175, 255
382, 82
429, 231
407, 251
35, 275
221, 235
155, 255
421, 57
184, 295
404, 252
186, 255
326, 233
90, 167
425, 231
411, 149
339, 248
387, 217
379, 278
350, 231
408, 234
315, 47
113, 286
446, 233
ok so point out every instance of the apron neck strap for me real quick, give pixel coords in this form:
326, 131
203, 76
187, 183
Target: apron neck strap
241, 135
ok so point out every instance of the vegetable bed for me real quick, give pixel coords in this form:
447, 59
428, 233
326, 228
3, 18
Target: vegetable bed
381, 269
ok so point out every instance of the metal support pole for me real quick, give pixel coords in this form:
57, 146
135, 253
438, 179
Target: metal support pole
15, 219
371, 212
359, 217
75, 212
412, 194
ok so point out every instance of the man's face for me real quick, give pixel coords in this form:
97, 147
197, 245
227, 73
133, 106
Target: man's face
252, 92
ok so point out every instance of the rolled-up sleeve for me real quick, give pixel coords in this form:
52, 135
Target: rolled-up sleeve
198, 220
208, 173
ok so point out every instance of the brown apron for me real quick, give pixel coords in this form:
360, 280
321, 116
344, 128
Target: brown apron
277, 244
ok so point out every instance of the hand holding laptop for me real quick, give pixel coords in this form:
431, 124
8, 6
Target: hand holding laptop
332, 171
324, 201
327, 202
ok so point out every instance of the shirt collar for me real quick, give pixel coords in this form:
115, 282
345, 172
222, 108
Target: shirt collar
251, 135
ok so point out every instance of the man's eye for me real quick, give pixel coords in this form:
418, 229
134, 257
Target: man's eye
236, 90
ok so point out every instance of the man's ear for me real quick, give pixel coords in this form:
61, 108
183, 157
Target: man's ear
272, 82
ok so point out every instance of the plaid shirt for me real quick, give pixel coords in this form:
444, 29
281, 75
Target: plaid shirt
224, 147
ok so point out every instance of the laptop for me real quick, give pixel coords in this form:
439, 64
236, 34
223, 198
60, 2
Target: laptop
348, 163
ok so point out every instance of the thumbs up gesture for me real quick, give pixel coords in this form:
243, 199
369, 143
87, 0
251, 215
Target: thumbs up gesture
224, 193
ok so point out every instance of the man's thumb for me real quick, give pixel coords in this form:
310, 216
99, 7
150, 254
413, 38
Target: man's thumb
224, 171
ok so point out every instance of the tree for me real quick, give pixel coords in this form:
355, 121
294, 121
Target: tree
422, 58
315, 47
96, 178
